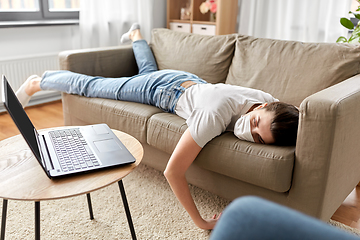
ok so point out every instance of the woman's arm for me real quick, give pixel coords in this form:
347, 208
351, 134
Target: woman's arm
184, 154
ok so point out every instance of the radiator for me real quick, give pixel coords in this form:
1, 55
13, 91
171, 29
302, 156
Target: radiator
17, 70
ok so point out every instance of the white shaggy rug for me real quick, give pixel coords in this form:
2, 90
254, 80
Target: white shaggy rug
155, 211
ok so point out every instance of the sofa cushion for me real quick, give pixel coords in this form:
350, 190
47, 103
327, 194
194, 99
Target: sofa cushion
116, 61
128, 117
209, 57
165, 130
289, 70
266, 166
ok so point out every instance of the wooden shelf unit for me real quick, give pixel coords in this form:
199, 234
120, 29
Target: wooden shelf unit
226, 17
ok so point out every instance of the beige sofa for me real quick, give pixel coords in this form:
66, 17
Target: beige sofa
321, 78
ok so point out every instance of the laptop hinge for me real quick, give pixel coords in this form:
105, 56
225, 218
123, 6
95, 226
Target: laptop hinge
45, 153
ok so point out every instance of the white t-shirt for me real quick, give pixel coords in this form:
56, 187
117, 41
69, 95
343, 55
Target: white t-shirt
211, 109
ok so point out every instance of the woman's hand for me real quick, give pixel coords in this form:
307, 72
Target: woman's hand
209, 223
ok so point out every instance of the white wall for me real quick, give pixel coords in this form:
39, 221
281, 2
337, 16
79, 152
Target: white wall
159, 14
23, 42
26, 41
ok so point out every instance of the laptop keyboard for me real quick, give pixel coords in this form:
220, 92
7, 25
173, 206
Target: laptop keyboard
72, 150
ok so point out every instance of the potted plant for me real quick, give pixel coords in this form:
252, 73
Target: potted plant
355, 35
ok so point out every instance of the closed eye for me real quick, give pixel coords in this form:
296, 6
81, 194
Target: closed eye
257, 125
261, 140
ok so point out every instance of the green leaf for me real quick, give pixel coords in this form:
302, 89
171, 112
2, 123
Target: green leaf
341, 40
355, 40
355, 37
347, 23
357, 15
356, 30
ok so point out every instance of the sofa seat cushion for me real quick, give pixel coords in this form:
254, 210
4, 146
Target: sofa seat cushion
208, 57
164, 131
266, 166
283, 68
128, 117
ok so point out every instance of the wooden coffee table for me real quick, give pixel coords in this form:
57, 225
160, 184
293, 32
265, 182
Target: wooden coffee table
22, 178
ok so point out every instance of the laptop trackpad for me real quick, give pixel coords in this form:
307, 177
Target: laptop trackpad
107, 145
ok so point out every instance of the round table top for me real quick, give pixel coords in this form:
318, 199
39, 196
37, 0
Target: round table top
22, 177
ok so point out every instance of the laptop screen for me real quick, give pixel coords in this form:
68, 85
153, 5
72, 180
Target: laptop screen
20, 117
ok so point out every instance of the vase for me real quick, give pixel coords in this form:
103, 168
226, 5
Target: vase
212, 17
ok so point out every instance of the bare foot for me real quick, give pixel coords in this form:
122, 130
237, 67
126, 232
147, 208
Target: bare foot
27, 89
33, 86
135, 35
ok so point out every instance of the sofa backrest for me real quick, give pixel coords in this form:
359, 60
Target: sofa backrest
209, 57
290, 70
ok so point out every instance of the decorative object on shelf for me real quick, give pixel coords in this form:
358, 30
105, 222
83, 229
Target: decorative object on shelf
212, 17
185, 13
216, 17
209, 5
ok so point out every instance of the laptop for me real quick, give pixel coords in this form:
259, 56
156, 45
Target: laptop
67, 151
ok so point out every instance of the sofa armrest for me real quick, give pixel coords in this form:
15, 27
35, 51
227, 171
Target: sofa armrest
107, 62
327, 165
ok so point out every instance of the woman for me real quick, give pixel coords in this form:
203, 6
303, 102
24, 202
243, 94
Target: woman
209, 110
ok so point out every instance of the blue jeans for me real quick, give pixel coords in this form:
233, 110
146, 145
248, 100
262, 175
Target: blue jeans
158, 88
254, 218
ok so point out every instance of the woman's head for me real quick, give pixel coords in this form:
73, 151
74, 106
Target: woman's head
284, 125
274, 123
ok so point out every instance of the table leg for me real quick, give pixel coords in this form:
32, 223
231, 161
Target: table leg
3, 218
127, 210
90, 206
37, 220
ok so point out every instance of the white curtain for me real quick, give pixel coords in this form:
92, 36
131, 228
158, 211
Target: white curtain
305, 20
102, 22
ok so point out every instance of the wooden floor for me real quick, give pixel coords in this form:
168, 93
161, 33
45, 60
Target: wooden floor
51, 115
349, 211
42, 116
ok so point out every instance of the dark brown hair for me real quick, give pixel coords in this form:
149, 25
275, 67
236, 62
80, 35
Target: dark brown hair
284, 125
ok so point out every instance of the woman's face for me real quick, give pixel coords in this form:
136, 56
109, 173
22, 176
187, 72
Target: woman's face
260, 121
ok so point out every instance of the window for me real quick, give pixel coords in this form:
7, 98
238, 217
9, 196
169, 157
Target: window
24, 10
